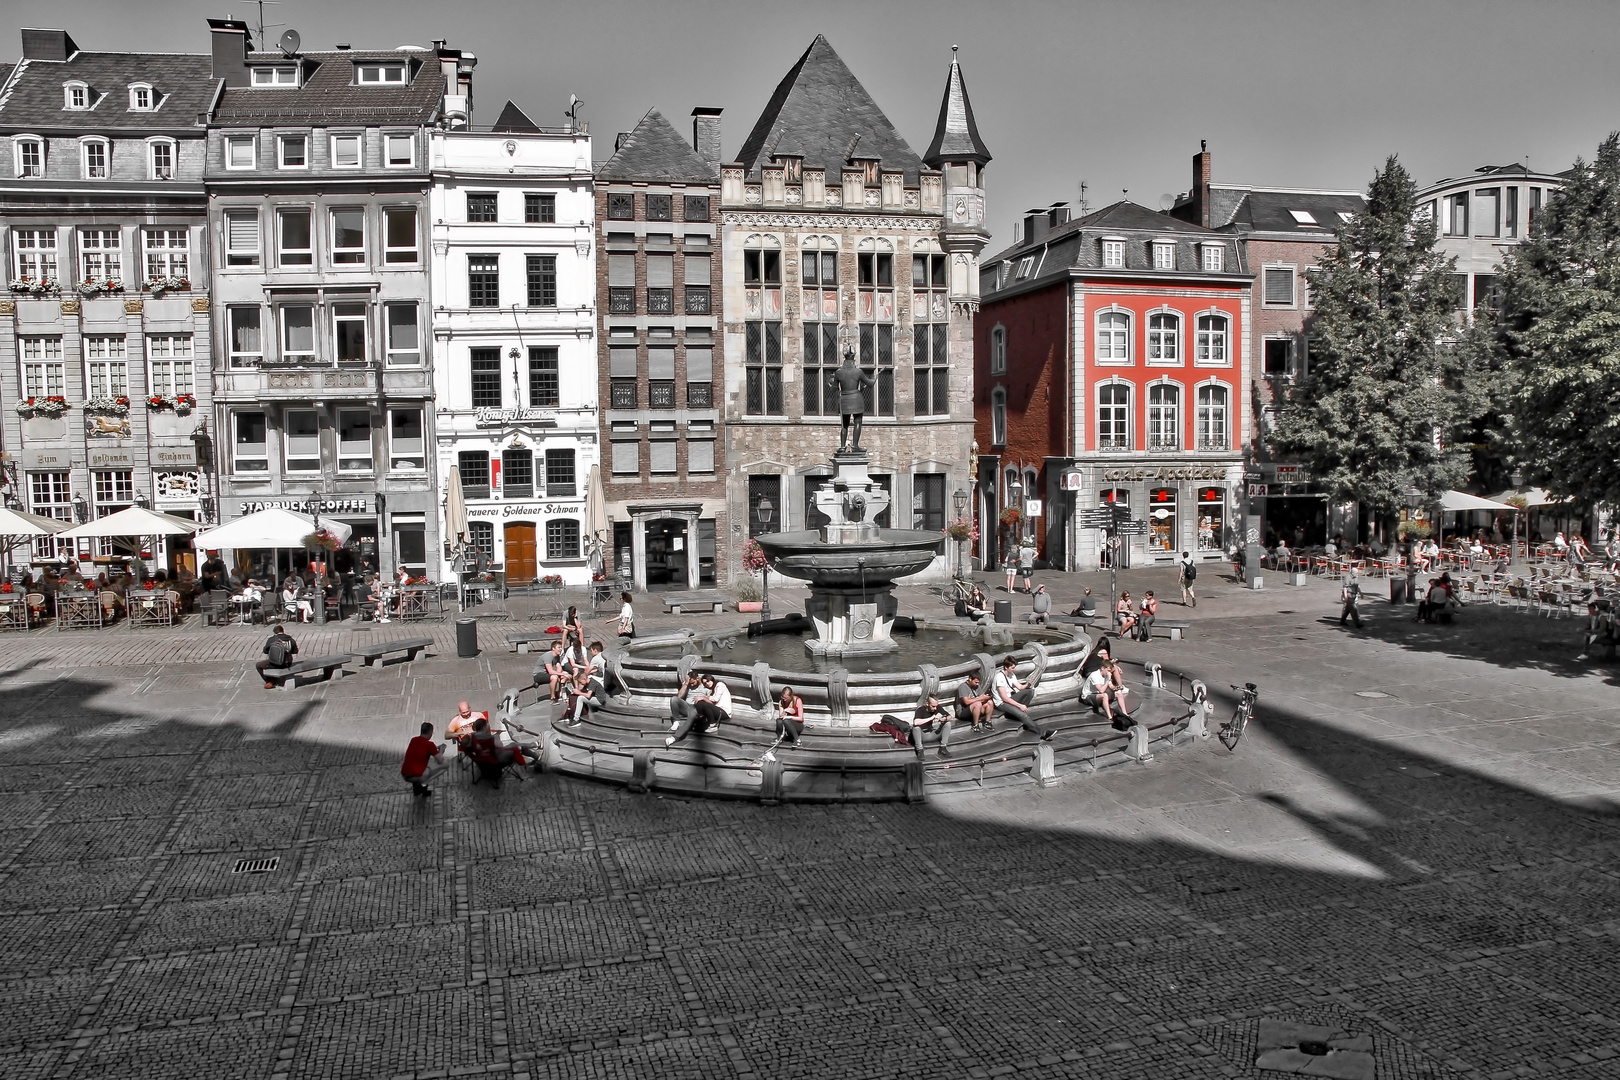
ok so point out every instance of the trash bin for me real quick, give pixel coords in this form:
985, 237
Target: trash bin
1004, 611
466, 638
1397, 590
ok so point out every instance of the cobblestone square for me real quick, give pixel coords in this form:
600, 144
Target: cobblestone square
1434, 867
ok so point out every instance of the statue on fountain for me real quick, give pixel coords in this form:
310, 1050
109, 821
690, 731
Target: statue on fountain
852, 384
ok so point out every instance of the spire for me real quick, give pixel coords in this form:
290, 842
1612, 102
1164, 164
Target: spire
956, 138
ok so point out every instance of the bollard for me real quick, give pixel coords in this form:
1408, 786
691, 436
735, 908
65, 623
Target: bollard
1044, 770
1138, 747
643, 770
1154, 672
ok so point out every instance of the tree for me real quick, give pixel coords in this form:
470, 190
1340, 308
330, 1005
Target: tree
1559, 329
1388, 392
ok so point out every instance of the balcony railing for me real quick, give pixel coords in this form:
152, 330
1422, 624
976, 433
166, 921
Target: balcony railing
1160, 444
1215, 444
621, 301
660, 301
1113, 444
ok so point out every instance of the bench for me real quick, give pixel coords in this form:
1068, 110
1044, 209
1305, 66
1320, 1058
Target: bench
680, 603
330, 667
1174, 629
520, 641
371, 655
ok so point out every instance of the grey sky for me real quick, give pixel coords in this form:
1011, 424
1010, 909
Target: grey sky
1118, 93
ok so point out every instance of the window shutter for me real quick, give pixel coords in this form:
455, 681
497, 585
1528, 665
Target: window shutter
626, 457
700, 456
243, 231
1280, 286
622, 362
660, 271
699, 365
661, 362
697, 270
622, 271
663, 456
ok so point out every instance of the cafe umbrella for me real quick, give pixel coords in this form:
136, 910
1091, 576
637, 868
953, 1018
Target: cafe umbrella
18, 528
131, 523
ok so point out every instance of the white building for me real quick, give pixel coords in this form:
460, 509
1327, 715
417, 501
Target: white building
514, 299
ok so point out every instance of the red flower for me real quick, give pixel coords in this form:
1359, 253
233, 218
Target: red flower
5, 587
149, 585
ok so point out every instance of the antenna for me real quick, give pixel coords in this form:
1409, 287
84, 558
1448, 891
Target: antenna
1085, 206
262, 23
289, 43
572, 112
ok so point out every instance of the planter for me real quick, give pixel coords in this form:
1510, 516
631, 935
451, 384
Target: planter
748, 607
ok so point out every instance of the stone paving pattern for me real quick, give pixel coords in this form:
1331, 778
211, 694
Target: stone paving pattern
1429, 872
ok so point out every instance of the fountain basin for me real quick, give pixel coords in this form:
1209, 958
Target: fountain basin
874, 563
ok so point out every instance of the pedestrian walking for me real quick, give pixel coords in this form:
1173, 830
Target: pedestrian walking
627, 617
1189, 574
1012, 570
1350, 593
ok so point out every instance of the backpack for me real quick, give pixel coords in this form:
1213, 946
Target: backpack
278, 653
1189, 573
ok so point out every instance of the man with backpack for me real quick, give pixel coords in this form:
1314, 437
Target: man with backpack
1350, 593
1189, 574
279, 651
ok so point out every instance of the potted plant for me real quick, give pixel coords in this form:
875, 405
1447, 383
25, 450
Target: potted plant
157, 286
749, 590
748, 594
323, 540
55, 405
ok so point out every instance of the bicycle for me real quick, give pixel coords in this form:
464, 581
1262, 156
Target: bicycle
1232, 730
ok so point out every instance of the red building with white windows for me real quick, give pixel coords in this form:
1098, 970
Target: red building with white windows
1110, 362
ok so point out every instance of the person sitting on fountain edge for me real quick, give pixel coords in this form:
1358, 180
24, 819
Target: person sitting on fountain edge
973, 704
1013, 698
931, 718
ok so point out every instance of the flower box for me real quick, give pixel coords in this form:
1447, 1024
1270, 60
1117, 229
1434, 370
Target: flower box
750, 606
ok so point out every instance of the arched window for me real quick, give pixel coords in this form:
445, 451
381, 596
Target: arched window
142, 98
162, 153
998, 351
1211, 339
1113, 337
998, 417
1164, 417
75, 95
1114, 416
1211, 422
1163, 346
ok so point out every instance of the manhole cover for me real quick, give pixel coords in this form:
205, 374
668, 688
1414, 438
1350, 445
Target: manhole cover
256, 866
1371, 693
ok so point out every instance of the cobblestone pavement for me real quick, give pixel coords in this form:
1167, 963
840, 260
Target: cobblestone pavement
1413, 850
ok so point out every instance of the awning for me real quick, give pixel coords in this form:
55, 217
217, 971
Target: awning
274, 528
1532, 496
1463, 501
18, 528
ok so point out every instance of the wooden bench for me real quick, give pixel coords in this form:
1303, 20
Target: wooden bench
330, 667
372, 655
680, 603
520, 641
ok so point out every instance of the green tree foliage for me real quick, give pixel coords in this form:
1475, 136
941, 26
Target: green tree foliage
1388, 394
1559, 329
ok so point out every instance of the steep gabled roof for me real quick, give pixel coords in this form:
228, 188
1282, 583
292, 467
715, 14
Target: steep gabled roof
655, 152
956, 137
513, 120
35, 99
824, 113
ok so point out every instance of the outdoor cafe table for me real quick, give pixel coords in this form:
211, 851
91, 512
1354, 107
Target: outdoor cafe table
78, 611
149, 608
13, 611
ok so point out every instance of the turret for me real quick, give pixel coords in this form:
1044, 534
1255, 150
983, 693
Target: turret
959, 153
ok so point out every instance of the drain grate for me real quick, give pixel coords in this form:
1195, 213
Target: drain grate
256, 866
1371, 694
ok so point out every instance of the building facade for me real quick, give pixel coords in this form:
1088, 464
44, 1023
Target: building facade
1111, 358
836, 234
1284, 233
105, 328
318, 199
514, 369
1480, 216
657, 199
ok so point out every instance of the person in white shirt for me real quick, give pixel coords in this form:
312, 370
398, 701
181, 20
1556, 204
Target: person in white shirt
710, 711
627, 617
1013, 698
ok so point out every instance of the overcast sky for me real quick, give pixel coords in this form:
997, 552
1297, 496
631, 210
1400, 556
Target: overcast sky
1288, 92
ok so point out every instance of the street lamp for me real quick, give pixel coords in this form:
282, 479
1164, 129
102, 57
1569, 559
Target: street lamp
1414, 503
763, 512
959, 499
1517, 480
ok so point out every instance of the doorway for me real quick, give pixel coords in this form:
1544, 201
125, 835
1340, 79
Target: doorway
521, 565
668, 554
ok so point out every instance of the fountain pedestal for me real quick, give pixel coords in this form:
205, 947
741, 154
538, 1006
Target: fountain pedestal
851, 622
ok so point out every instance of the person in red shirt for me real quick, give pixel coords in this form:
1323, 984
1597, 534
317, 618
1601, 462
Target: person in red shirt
424, 759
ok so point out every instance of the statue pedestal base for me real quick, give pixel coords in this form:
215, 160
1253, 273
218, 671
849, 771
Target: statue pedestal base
850, 500
851, 622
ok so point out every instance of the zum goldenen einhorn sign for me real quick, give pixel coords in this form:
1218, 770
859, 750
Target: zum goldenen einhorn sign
1164, 473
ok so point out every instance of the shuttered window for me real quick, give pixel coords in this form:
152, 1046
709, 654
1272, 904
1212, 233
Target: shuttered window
699, 365
1279, 285
622, 362
242, 238
622, 270
660, 363
663, 455
700, 456
697, 270
626, 457
660, 271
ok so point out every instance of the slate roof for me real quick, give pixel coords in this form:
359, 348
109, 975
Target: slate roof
329, 94
823, 113
956, 137
1268, 210
514, 120
655, 152
35, 101
1076, 245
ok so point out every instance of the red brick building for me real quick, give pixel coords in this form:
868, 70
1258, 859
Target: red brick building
1111, 353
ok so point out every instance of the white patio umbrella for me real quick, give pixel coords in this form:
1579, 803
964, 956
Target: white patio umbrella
1455, 501
273, 528
455, 513
18, 528
1532, 496
596, 518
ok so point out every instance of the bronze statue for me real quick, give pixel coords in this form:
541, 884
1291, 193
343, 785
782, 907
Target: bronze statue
852, 381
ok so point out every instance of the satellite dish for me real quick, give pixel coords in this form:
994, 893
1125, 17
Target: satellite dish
289, 43
1167, 201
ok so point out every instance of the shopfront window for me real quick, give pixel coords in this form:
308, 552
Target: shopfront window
1162, 520
1211, 518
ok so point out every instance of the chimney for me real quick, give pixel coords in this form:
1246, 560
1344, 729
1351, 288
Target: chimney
231, 44
1058, 214
1037, 223
706, 135
1200, 185
47, 45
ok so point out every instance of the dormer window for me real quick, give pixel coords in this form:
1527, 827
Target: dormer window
1164, 255
76, 95
1214, 258
142, 98
380, 74
284, 75
1113, 254
30, 155
1303, 217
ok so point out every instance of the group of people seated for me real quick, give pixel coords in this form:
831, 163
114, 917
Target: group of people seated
573, 675
1137, 622
489, 745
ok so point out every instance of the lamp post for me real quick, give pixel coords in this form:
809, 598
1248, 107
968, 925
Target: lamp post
1414, 503
1517, 480
1015, 496
314, 505
959, 499
763, 512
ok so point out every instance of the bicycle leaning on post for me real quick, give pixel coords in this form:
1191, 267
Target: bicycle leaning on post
1232, 730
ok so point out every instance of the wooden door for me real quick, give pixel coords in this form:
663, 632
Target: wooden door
521, 564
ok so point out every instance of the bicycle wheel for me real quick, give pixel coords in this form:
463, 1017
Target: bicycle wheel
1232, 730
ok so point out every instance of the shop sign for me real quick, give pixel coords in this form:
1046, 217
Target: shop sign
1289, 474
508, 510
174, 456
490, 417
1032, 508
1164, 473
47, 460
111, 459
327, 506
1257, 491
